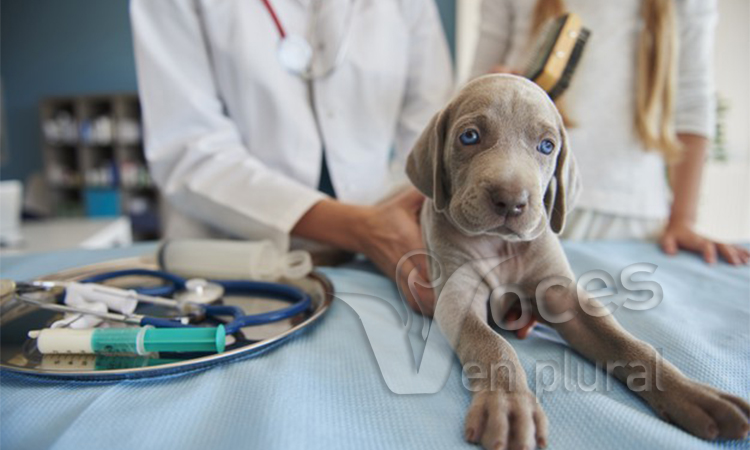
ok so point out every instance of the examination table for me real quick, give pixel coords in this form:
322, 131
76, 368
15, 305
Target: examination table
323, 389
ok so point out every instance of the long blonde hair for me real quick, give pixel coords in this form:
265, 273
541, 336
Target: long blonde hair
655, 75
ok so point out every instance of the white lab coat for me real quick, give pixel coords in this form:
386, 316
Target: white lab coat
231, 139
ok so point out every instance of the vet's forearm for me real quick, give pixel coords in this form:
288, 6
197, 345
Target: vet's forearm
685, 178
331, 222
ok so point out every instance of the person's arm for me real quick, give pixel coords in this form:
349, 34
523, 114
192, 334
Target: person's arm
194, 150
685, 179
385, 233
495, 39
695, 123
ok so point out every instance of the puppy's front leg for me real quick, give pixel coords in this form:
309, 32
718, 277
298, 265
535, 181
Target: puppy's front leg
504, 413
701, 410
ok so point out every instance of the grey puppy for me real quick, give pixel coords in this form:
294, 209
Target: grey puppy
497, 169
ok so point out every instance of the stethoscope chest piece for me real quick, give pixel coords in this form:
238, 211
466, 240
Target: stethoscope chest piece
200, 291
295, 54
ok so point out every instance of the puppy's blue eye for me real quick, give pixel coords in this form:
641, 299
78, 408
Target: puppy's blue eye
469, 137
546, 147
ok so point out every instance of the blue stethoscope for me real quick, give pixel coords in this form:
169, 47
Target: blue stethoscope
199, 298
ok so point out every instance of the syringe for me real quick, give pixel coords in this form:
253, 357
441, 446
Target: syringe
136, 340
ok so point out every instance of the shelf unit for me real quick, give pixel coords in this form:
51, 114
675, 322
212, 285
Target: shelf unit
94, 162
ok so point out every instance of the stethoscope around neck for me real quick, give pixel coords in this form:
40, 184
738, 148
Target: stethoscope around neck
296, 54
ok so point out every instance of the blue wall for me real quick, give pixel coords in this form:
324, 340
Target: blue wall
448, 15
63, 47
57, 47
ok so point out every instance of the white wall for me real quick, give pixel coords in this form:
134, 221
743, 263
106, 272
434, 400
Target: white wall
725, 201
724, 211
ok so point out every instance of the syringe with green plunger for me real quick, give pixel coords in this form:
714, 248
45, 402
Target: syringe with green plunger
136, 340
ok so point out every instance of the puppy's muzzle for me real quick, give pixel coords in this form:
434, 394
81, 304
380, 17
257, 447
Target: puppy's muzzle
508, 204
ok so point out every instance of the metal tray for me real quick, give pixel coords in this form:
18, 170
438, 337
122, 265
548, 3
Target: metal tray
18, 355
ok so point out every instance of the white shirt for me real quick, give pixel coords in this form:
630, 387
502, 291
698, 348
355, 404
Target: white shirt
618, 175
231, 138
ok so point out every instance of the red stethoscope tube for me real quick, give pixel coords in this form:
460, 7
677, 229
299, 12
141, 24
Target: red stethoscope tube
275, 18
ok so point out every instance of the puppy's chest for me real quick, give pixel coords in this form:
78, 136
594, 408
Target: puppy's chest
499, 262
503, 263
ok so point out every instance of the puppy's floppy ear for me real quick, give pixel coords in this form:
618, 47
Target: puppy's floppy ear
564, 187
424, 167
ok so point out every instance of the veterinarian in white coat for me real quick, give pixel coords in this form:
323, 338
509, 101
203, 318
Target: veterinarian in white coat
236, 141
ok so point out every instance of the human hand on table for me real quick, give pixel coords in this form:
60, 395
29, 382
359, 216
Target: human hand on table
387, 232
681, 236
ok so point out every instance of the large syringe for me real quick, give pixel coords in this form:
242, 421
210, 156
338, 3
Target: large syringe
135, 340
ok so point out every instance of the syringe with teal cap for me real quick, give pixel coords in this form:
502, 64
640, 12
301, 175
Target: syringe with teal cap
136, 341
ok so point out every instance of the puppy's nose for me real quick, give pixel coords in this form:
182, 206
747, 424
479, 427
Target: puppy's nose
510, 205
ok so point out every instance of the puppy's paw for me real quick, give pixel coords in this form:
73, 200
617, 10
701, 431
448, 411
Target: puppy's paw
703, 411
500, 421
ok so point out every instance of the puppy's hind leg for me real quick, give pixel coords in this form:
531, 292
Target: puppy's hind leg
699, 409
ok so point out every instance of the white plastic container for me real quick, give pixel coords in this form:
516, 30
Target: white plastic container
11, 204
232, 260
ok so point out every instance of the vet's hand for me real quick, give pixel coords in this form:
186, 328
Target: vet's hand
680, 236
390, 230
515, 314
